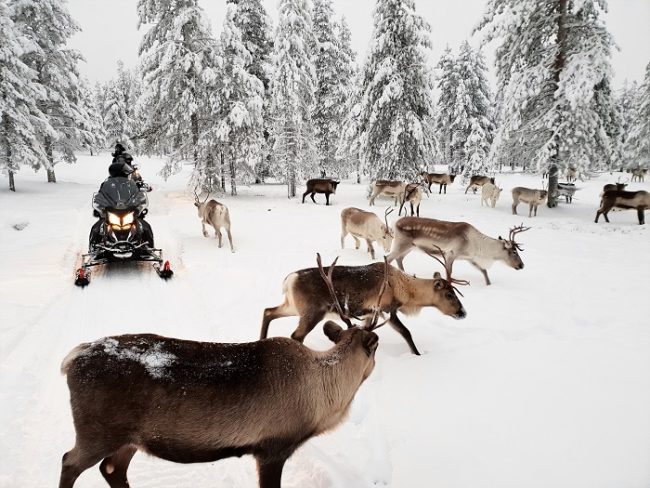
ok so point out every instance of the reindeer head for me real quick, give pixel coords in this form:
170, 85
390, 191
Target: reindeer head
359, 339
452, 177
198, 203
444, 289
511, 248
389, 234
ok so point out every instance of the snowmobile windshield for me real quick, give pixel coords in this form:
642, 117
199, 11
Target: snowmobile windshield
119, 194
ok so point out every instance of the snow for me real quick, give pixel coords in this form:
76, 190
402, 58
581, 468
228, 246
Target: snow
546, 383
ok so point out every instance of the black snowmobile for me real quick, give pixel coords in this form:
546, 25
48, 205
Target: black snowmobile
121, 233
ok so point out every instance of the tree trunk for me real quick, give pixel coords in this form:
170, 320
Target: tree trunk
51, 177
12, 184
560, 62
195, 138
223, 173
233, 176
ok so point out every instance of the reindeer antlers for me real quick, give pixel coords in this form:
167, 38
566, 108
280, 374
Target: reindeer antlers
513, 232
451, 280
388, 211
327, 278
196, 196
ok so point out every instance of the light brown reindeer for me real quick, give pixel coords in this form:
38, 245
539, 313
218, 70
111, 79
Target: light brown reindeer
490, 194
413, 195
308, 296
389, 188
638, 174
457, 240
193, 402
216, 215
367, 226
533, 198
571, 174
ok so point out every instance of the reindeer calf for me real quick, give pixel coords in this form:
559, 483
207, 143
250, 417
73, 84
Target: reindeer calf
490, 194
215, 214
196, 402
529, 196
639, 200
367, 226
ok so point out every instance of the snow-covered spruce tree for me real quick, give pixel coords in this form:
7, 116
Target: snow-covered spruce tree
292, 88
551, 56
396, 139
627, 103
176, 53
21, 120
346, 98
255, 26
327, 111
447, 82
48, 24
239, 104
95, 127
639, 141
119, 102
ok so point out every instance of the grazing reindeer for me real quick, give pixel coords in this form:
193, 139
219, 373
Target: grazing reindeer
191, 402
215, 214
442, 179
306, 295
389, 188
639, 200
366, 225
477, 180
320, 185
638, 174
613, 186
490, 194
571, 174
456, 240
413, 195
532, 197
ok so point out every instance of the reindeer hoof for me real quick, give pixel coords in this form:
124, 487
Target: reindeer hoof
205, 234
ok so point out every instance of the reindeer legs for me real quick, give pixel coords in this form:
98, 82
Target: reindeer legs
114, 467
401, 329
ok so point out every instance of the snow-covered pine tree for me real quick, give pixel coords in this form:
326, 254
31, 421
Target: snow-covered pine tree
21, 120
117, 123
292, 88
346, 98
239, 103
48, 24
255, 26
327, 111
447, 81
396, 139
177, 53
627, 102
639, 142
551, 56
95, 129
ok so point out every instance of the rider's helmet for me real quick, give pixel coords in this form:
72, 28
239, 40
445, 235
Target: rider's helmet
119, 150
120, 168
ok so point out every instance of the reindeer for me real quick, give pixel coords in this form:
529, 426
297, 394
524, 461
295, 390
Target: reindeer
306, 296
477, 180
533, 197
413, 195
571, 174
613, 186
389, 188
215, 214
639, 200
456, 240
490, 194
638, 174
443, 179
366, 225
320, 185
190, 402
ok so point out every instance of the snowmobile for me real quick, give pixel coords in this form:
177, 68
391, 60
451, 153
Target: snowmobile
121, 233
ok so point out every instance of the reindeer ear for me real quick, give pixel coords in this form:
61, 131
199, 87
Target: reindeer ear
500, 238
332, 331
370, 343
436, 275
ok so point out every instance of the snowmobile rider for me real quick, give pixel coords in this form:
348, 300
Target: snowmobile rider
120, 168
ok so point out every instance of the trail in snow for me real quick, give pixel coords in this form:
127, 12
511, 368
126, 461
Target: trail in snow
546, 383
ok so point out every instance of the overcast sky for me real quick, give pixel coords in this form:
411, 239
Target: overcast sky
110, 33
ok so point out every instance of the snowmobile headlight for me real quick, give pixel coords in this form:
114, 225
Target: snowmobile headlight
114, 219
128, 219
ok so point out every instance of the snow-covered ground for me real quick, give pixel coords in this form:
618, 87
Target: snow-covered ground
546, 383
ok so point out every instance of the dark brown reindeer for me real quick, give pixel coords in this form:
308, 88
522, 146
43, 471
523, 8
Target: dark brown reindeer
457, 240
613, 186
307, 296
478, 180
442, 179
194, 402
639, 200
320, 185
